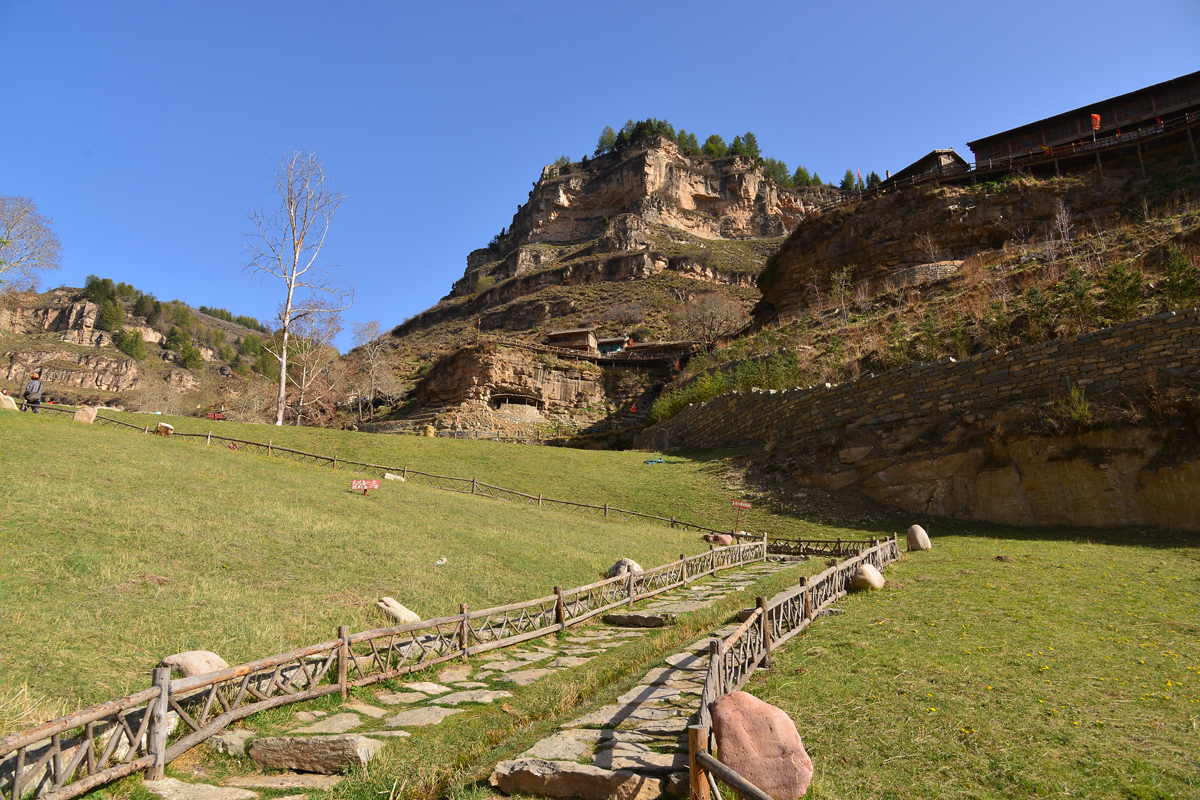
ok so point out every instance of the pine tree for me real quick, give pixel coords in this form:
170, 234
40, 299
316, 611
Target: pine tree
751, 142
1121, 289
801, 177
607, 140
777, 171
848, 181
1181, 283
816, 180
873, 179
111, 316
737, 147
715, 147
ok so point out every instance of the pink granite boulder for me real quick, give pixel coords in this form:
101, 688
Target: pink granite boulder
760, 742
719, 539
194, 662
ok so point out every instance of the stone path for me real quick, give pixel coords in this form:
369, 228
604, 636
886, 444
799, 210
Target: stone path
639, 743
643, 732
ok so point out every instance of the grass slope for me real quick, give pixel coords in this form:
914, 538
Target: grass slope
118, 549
1072, 670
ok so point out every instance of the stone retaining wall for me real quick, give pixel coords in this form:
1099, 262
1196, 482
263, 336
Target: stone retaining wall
1128, 353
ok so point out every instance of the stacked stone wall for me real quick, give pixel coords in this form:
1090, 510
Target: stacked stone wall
1125, 354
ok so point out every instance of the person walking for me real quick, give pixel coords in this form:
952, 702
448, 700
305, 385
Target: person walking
33, 392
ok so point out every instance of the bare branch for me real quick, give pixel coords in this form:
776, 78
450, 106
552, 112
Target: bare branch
27, 245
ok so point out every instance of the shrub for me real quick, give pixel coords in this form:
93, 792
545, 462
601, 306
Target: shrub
1121, 290
190, 357
130, 343
1074, 410
484, 283
1181, 283
111, 316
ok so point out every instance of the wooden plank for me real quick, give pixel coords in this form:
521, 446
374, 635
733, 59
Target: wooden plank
156, 716
730, 777
99, 779
697, 742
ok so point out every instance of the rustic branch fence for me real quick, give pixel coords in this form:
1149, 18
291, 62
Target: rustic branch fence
76, 753
733, 659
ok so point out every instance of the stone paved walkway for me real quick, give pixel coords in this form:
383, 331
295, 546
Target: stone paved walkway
644, 731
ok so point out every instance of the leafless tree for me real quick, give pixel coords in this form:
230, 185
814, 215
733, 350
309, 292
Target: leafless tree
839, 287
314, 362
380, 379
862, 295
285, 244
1062, 220
708, 317
927, 244
27, 245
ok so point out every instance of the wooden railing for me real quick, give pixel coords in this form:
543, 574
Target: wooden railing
74, 754
733, 659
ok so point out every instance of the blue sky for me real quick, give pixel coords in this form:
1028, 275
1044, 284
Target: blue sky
146, 130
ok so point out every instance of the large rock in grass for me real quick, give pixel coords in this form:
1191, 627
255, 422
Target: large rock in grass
918, 539
7, 403
760, 742
396, 612
163, 429
719, 539
623, 566
325, 754
541, 778
866, 577
194, 662
85, 414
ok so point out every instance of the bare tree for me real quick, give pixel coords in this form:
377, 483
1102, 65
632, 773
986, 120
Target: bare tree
27, 245
708, 317
313, 363
927, 244
380, 380
285, 244
839, 287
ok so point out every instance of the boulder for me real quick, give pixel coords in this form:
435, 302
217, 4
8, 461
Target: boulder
760, 743
327, 755
388, 476
194, 662
396, 612
541, 778
428, 431
163, 429
231, 742
719, 539
866, 577
85, 414
918, 539
623, 566
8, 404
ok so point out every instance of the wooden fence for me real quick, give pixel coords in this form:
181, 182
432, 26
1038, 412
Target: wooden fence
74, 754
471, 486
733, 659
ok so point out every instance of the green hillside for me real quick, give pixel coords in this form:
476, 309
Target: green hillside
121, 548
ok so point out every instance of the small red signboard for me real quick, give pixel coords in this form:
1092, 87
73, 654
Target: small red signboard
742, 504
364, 484
1095, 122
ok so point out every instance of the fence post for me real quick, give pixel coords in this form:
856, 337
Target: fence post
156, 732
807, 599
474, 483
539, 500
269, 447
839, 545
145, 429
672, 522
606, 510
343, 658
698, 780
715, 679
404, 474
761, 602
209, 439
629, 586
462, 630
683, 572
560, 608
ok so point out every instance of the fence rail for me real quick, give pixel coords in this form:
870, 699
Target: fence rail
733, 659
76, 753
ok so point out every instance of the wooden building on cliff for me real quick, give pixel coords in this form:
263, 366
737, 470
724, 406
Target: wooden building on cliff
1127, 116
582, 340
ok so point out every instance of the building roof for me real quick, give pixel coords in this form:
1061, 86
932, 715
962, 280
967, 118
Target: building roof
573, 330
1100, 106
928, 162
613, 339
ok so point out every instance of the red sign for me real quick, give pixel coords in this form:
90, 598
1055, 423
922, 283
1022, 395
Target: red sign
363, 484
744, 505
1095, 122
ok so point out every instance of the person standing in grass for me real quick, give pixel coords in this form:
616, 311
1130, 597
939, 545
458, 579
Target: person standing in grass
33, 392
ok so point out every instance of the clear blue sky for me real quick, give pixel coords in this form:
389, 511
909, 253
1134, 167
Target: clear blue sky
145, 130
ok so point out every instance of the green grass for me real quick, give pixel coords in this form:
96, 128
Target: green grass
1072, 670
687, 486
118, 548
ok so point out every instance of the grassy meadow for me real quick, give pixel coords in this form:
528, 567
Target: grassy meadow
117, 549
1072, 669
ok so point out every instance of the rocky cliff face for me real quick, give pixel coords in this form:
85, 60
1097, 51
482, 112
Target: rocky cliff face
728, 198
885, 235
